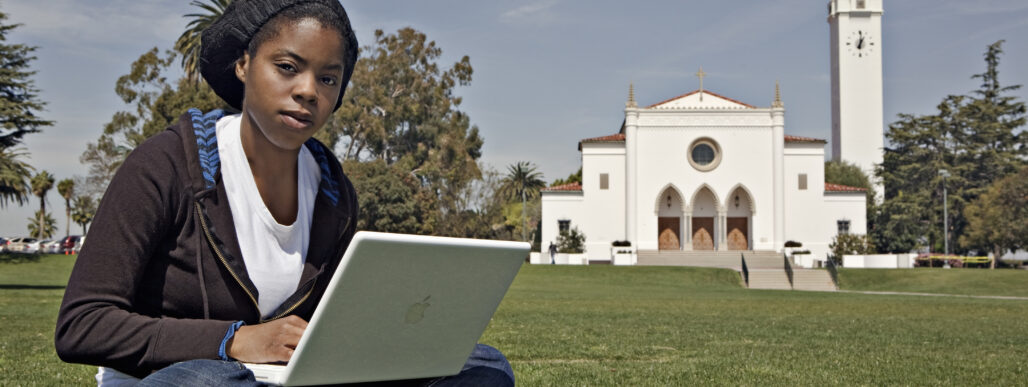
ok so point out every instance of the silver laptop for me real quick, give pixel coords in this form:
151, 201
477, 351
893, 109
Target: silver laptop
401, 307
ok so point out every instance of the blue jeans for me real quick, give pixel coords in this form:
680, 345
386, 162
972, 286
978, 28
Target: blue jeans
485, 367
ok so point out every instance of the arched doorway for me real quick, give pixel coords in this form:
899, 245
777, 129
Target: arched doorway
704, 211
669, 219
739, 220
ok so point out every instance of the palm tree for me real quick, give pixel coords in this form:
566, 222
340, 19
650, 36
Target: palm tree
14, 177
41, 185
188, 44
85, 208
42, 225
522, 181
66, 188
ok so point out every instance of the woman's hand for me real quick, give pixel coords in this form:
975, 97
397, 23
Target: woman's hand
270, 342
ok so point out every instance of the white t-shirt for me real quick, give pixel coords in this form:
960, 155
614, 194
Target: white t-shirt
274, 253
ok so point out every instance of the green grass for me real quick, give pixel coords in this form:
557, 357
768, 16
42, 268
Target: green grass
978, 282
605, 325
31, 288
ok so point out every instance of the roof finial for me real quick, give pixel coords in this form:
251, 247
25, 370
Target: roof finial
631, 96
778, 97
701, 74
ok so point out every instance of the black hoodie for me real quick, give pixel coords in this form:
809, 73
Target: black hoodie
162, 277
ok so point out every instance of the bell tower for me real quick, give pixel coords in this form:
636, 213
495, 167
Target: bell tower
856, 49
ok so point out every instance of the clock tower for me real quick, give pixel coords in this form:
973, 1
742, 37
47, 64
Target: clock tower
856, 42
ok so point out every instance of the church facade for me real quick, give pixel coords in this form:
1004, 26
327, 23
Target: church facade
702, 171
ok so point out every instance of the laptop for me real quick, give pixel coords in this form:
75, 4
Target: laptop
400, 307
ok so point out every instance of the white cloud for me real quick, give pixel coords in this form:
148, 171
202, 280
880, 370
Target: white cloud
536, 13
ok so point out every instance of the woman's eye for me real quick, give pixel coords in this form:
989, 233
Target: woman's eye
287, 67
328, 81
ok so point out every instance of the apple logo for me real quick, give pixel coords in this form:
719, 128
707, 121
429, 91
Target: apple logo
416, 312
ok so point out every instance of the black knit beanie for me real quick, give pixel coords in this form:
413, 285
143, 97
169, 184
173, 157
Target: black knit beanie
224, 42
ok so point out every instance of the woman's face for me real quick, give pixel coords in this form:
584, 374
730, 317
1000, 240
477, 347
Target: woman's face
292, 82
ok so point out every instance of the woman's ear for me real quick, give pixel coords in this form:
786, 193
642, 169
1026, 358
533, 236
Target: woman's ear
242, 66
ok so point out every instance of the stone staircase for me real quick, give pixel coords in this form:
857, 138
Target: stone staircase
812, 279
766, 269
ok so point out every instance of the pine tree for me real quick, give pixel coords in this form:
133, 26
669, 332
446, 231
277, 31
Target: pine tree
18, 106
977, 138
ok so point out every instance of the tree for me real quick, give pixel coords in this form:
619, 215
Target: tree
156, 104
391, 199
42, 226
83, 212
18, 100
998, 219
66, 188
41, 185
975, 137
14, 176
522, 181
572, 178
19, 104
571, 241
188, 44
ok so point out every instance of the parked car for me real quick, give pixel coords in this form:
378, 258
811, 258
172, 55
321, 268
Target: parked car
35, 247
3, 245
17, 245
78, 246
51, 247
68, 244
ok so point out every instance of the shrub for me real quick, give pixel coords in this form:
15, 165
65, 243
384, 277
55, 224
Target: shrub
801, 252
793, 244
844, 244
571, 242
620, 243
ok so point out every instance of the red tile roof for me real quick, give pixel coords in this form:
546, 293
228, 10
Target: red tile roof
789, 138
829, 187
705, 92
564, 187
611, 138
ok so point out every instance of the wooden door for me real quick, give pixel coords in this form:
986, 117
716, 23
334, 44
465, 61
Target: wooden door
738, 233
702, 233
668, 238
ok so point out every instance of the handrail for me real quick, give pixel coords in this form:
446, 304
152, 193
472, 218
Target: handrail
788, 270
832, 271
745, 271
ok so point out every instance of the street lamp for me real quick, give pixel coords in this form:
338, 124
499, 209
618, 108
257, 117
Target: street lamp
945, 215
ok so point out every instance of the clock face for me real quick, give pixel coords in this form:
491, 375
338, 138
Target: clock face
860, 44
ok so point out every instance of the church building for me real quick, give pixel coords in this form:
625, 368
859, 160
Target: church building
703, 171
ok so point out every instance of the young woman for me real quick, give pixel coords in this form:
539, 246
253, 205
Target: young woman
216, 238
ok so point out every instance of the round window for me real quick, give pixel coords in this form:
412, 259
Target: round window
704, 154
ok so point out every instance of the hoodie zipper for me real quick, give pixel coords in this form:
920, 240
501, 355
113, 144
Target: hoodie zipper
214, 246
224, 262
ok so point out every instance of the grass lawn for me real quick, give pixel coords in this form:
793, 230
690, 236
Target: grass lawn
604, 325
978, 282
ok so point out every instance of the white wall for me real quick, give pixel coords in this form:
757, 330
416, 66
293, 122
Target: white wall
805, 220
603, 215
878, 261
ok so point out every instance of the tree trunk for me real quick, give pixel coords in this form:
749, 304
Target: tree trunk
42, 212
996, 252
67, 218
523, 219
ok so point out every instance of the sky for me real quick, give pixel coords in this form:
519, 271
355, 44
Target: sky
547, 73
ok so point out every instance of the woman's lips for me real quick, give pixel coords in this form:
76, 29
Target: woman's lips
295, 121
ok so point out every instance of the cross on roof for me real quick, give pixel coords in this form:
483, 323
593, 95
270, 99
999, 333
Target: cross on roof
701, 74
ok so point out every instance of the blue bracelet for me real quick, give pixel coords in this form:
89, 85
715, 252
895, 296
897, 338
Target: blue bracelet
228, 336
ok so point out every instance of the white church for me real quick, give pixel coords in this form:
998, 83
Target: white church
703, 171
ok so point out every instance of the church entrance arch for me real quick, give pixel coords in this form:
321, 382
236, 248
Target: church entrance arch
704, 212
669, 219
739, 220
